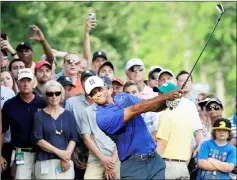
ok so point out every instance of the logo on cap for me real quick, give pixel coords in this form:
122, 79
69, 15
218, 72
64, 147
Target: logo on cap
92, 81
222, 124
22, 43
99, 53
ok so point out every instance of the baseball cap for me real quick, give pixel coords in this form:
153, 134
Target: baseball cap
39, 64
133, 62
207, 101
99, 54
25, 73
222, 123
107, 63
107, 81
92, 83
120, 81
87, 73
65, 80
25, 45
165, 88
166, 71
154, 69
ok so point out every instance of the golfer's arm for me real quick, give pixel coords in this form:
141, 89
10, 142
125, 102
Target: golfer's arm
155, 104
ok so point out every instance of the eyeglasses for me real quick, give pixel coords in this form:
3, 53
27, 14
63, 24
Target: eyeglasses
51, 94
72, 61
154, 76
135, 69
215, 108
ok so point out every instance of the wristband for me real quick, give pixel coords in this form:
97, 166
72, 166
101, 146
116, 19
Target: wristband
13, 54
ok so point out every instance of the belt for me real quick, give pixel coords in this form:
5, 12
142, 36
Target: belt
143, 157
23, 149
176, 160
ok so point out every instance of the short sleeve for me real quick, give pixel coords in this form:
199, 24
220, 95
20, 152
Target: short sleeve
204, 151
164, 127
85, 126
37, 128
110, 121
73, 129
195, 116
231, 157
5, 118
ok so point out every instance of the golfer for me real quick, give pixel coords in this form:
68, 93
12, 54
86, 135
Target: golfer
121, 116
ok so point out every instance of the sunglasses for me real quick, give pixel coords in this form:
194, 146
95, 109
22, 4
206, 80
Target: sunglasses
51, 94
135, 69
154, 76
215, 108
71, 62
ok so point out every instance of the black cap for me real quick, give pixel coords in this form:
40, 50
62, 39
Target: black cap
107, 63
99, 54
65, 81
87, 73
207, 101
222, 123
24, 45
107, 81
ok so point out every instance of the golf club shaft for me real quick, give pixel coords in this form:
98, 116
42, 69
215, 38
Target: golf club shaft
202, 51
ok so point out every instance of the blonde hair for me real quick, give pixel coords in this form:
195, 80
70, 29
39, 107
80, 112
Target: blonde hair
50, 84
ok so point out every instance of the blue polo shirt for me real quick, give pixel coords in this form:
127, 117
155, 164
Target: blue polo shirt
19, 115
133, 137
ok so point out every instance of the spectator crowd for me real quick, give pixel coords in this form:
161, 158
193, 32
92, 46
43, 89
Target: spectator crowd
85, 122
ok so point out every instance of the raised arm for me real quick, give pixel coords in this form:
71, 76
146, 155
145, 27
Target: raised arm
39, 36
86, 42
155, 105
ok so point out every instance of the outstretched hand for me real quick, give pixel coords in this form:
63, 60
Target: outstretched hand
38, 35
89, 24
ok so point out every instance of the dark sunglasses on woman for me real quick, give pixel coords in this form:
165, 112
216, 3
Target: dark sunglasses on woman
215, 108
51, 94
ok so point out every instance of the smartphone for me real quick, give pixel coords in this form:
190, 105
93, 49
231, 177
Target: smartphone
4, 36
59, 169
92, 16
30, 32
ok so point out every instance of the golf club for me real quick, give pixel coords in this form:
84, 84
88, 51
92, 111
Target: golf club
220, 8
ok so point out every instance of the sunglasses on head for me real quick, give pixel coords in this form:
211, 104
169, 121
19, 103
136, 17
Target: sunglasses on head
215, 108
72, 61
134, 69
3, 57
51, 94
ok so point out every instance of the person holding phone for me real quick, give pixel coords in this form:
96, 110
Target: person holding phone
55, 133
25, 50
6, 46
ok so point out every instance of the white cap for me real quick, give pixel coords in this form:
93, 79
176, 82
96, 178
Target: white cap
25, 73
152, 68
133, 62
93, 82
166, 71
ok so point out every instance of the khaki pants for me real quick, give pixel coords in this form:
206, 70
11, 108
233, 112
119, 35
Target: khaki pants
26, 170
52, 171
95, 170
176, 170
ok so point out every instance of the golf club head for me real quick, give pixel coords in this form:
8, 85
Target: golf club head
220, 8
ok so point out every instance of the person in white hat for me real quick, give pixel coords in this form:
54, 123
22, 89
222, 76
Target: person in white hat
17, 115
135, 70
120, 116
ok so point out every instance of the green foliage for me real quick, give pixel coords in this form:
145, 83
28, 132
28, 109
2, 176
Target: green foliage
169, 34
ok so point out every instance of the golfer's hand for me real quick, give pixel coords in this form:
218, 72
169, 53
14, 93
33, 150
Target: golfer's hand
176, 94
